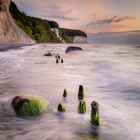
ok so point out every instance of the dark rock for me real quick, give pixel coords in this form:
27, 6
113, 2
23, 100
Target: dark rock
72, 48
18, 102
48, 54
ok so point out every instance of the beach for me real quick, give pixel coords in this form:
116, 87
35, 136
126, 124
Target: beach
109, 74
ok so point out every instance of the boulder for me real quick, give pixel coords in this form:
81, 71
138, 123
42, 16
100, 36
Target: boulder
26, 106
73, 48
48, 54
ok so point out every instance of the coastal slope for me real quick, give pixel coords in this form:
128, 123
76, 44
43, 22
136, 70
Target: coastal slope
17, 27
9, 31
43, 30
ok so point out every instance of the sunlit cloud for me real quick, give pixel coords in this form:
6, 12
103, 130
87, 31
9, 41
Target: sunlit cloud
114, 19
87, 15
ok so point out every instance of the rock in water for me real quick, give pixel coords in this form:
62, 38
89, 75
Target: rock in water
95, 115
72, 48
48, 54
61, 108
82, 107
81, 93
65, 93
26, 106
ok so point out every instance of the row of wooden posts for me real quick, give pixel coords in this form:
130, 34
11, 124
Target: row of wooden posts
95, 115
58, 58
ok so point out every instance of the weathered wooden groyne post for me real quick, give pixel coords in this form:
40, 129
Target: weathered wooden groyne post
57, 60
81, 93
82, 106
95, 115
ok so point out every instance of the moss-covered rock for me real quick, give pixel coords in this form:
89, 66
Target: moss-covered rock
28, 105
65, 94
95, 115
61, 108
81, 92
82, 107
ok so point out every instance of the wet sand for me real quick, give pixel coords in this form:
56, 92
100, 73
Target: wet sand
8, 45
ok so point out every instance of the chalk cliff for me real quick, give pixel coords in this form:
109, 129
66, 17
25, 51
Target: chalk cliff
17, 27
9, 31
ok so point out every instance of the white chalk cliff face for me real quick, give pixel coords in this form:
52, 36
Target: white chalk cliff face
80, 39
56, 31
9, 31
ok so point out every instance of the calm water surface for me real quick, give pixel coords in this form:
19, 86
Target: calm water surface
110, 75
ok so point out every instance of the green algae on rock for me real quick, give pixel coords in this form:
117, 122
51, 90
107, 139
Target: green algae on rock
61, 108
65, 94
95, 115
29, 105
82, 107
81, 93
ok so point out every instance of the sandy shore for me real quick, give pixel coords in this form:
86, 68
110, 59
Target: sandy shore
7, 46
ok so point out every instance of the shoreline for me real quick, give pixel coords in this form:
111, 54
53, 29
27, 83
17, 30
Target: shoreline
5, 46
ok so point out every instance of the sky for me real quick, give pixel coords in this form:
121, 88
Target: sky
91, 16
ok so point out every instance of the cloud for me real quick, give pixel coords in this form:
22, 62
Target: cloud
77, 13
61, 17
114, 19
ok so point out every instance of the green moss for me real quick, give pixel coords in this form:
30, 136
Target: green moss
81, 92
61, 108
82, 107
36, 106
95, 115
95, 120
65, 93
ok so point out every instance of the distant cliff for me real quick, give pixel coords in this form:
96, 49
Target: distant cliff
73, 36
9, 31
32, 28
